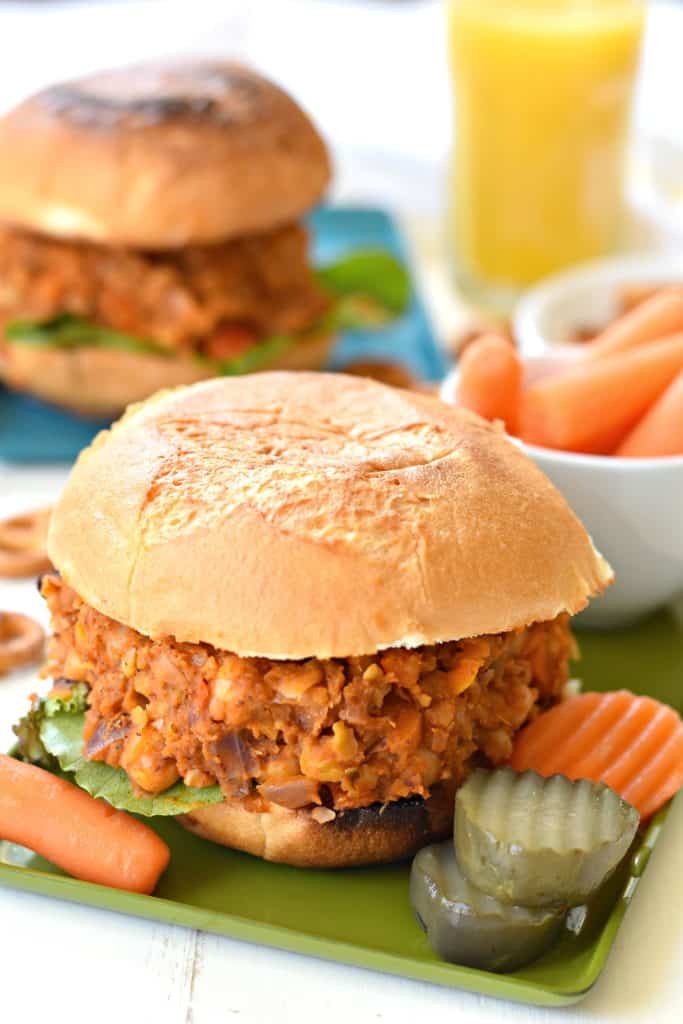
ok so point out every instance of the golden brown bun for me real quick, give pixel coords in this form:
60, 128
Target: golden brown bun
102, 382
160, 156
371, 835
296, 515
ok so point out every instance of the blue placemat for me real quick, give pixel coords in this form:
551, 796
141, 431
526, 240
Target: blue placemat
31, 431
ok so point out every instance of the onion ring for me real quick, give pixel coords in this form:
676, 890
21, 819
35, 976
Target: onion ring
21, 641
22, 544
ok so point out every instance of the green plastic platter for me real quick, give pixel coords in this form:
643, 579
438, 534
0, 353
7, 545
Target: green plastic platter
363, 916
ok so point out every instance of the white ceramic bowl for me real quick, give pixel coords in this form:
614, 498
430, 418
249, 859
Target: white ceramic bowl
633, 510
547, 314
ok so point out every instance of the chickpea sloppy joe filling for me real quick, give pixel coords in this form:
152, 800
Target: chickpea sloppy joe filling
342, 732
182, 300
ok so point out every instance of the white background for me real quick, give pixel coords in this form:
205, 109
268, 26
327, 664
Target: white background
375, 76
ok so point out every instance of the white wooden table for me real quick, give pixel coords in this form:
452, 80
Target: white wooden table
375, 77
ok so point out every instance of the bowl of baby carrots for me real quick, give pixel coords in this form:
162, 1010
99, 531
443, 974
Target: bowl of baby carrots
575, 305
599, 407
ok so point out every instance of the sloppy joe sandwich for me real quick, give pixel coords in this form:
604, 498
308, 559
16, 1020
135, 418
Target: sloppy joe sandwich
152, 235
298, 609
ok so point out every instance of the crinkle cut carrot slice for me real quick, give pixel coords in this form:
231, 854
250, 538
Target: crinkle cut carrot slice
602, 718
633, 744
661, 779
624, 731
540, 741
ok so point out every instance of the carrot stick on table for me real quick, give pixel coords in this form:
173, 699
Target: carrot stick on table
490, 381
85, 837
594, 405
656, 318
660, 432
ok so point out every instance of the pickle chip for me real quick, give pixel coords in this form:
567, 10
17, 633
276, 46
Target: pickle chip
465, 926
522, 838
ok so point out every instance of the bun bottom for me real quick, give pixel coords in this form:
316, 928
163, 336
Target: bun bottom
371, 835
99, 382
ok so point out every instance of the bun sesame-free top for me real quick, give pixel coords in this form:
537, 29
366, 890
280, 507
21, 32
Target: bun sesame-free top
296, 515
160, 155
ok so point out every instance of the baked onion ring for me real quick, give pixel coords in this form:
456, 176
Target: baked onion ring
22, 544
21, 641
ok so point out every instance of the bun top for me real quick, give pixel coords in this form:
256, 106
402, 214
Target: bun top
291, 515
160, 156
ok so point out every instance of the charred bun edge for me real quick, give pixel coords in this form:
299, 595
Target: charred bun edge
378, 834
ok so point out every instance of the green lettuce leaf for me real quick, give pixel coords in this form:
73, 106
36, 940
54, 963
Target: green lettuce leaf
68, 331
51, 735
29, 746
375, 279
253, 359
62, 736
74, 700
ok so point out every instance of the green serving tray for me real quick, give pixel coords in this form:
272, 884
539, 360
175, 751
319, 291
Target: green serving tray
362, 916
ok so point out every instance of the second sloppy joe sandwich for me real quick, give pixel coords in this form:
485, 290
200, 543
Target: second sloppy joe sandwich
154, 232
315, 602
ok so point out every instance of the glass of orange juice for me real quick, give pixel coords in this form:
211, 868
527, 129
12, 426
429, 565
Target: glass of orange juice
542, 100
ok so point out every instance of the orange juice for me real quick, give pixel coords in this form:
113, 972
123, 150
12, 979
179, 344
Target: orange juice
542, 102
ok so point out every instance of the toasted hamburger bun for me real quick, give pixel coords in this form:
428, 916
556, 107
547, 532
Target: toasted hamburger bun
370, 835
316, 515
101, 382
160, 156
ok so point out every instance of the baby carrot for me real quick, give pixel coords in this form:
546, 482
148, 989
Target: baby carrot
594, 405
660, 432
633, 744
490, 381
656, 318
85, 837
632, 295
